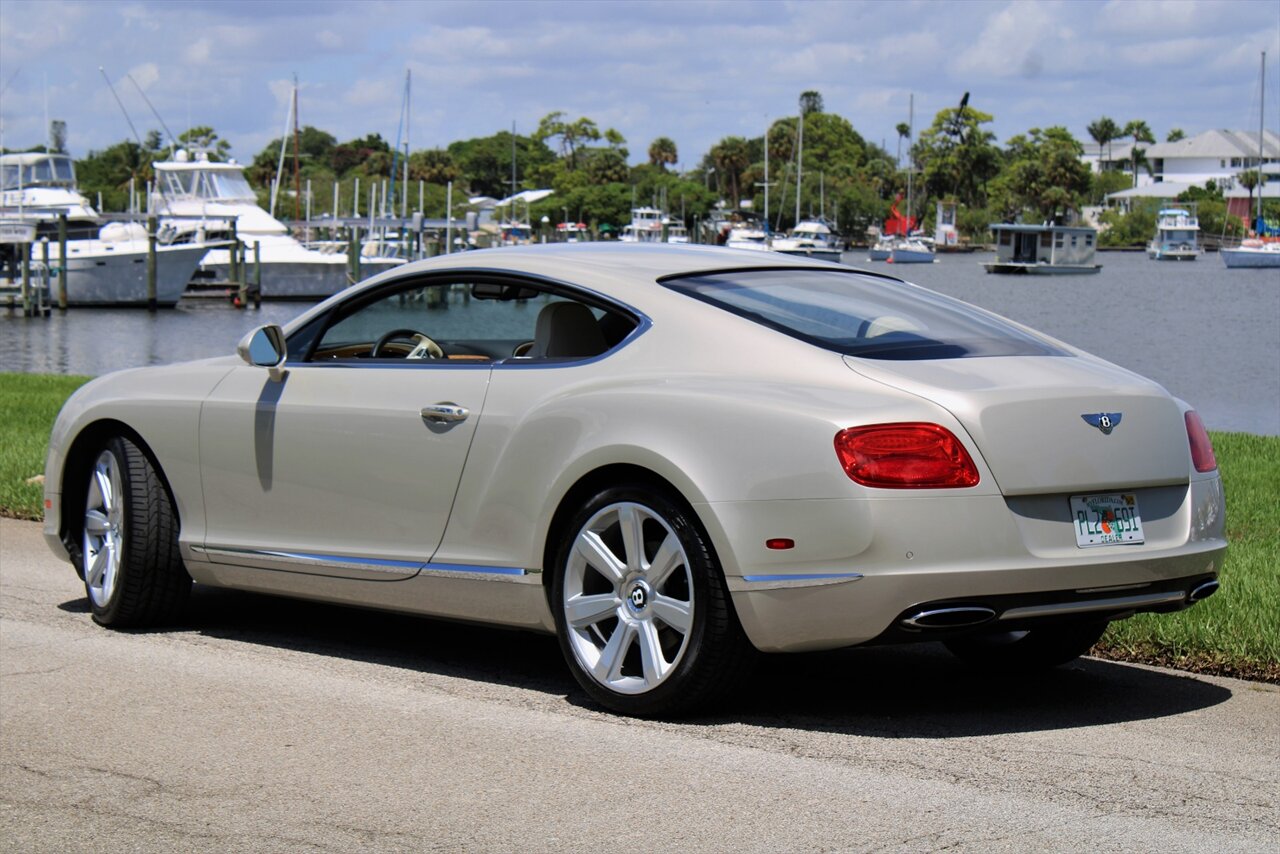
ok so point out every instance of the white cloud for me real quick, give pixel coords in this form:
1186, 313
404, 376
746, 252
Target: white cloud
199, 51
329, 39
1014, 41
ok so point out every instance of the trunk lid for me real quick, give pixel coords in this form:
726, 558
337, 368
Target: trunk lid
1025, 414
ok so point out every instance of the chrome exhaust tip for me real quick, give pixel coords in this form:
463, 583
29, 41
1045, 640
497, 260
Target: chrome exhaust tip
1203, 590
950, 618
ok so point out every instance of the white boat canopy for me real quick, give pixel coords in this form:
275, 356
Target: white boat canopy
527, 196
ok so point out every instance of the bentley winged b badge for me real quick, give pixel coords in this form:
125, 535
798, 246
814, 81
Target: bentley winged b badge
1104, 421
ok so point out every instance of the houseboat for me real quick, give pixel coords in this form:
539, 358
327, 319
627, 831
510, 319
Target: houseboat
1043, 249
1177, 236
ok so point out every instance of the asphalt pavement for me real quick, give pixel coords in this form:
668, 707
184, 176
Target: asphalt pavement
273, 725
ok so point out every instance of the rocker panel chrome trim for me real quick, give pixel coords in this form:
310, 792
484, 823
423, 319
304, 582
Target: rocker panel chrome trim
1120, 603
375, 566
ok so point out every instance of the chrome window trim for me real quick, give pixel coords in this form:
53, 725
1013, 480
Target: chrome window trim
556, 287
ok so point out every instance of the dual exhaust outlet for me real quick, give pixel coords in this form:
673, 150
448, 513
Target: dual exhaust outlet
969, 616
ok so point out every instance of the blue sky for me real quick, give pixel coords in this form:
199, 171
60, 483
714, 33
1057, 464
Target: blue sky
693, 71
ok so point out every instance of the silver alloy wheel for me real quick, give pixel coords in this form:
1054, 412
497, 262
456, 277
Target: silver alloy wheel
628, 598
103, 529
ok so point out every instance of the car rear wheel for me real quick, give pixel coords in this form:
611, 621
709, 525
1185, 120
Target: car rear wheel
1032, 649
641, 610
132, 569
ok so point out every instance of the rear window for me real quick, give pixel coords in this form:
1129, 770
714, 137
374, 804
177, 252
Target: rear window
862, 316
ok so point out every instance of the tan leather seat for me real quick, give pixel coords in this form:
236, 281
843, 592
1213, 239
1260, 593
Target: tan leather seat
566, 329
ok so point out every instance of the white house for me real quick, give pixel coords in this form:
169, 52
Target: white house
1219, 155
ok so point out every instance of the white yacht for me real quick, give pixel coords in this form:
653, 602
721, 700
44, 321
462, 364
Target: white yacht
748, 236
1252, 253
202, 197
645, 226
106, 265
38, 186
812, 238
1177, 236
913, 250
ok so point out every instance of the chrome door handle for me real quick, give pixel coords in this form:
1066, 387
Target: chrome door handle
441, 413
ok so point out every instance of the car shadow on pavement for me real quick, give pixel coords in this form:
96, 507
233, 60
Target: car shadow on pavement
915, 691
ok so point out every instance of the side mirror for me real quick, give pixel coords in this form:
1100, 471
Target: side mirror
264, 347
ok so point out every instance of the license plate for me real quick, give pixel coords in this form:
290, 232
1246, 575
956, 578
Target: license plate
1106, 520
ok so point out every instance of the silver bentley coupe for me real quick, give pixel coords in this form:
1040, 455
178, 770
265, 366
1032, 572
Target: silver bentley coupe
670, 457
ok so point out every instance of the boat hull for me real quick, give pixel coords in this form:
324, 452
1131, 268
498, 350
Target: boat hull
1243, 258
819, 254
119, 277
910, 256
1016, 269
295, 280
874, 254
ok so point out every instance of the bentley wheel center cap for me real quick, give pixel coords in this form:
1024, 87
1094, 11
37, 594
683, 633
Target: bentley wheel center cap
638, 598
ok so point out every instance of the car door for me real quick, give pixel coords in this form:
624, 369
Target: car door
346, 465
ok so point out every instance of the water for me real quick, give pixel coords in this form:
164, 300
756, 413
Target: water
1209, 335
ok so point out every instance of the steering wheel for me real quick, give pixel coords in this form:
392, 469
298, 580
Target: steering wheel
423, 346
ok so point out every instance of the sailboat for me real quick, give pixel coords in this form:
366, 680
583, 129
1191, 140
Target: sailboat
913, 249
1256, 252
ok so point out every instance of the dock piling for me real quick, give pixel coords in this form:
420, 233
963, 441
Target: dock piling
151, 263
62, 261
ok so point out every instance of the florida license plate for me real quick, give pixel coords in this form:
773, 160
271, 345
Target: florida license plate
1106, 520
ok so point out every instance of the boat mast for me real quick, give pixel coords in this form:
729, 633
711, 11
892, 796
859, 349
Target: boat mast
911, 118
297, 172
799, 163
513, 158
1262, 108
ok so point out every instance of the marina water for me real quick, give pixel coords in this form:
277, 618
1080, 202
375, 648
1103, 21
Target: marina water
1209, 335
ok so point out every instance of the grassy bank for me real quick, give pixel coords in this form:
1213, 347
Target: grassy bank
1236, 632
28, 405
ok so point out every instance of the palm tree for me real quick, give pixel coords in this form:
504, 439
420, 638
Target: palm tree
731, 156
1249, 179
904, 132
1141, 133
663, 151
1103, 131
810, 102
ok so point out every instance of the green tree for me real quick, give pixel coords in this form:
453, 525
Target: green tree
810, 102
1104, 131
433, 165
1140, 132
485, 162
959, 157
206, 139
109, 171
571, 135
663, 151
904, 132
1175, 135
1043, 174
1249, 179
731, 157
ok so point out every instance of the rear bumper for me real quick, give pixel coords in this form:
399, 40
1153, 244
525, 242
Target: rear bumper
888, 559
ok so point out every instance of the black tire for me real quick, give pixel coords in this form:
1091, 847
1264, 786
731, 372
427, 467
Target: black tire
1038, 648
151, 585
715, 651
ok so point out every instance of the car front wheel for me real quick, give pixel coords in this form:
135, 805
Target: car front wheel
132, 569
641, 610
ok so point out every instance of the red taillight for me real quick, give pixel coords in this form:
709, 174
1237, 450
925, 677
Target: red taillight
905, 456
1201, 448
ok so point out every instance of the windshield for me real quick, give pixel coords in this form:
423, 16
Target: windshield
207, 184
862, 316
52, 171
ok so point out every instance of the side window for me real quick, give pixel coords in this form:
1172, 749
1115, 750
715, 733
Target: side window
460, 322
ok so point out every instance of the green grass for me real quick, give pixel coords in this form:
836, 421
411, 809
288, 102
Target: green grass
28, 405
1236, 632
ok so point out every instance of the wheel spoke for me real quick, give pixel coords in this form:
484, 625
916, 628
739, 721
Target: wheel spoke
651, 653
96, 523
631, 521
100, 560
609, 667
668, 557
583, 611
675, 613
103, 478
594, 551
